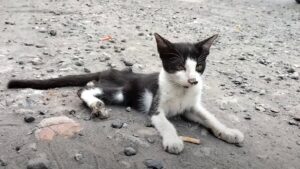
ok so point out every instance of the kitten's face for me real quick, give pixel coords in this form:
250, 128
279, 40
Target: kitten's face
184, 62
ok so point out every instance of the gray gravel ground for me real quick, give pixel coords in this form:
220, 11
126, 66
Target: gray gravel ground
251, 82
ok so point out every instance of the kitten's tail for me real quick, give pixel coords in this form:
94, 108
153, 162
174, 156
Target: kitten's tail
71, 80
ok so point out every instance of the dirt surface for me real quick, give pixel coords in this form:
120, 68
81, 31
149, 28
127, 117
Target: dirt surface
251, 82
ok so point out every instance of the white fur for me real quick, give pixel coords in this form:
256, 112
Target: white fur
174, 99
118, 96
147, 100
177, 96
171, 141
88, 96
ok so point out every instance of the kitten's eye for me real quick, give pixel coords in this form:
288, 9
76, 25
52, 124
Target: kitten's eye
180, 67
199, 67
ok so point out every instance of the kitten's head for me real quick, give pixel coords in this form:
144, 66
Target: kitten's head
184, 62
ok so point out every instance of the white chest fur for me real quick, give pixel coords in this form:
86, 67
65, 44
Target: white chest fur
175, 99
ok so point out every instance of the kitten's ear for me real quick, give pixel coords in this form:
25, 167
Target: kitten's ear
206, 44
162, 43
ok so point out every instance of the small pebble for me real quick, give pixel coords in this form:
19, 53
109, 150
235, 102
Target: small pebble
150, 140
129, 151
3, 162
153, 164
127, 63
295, 76
117, 124
86, 70
38, 163
78, 157
29, 119
247, 117
128, 109
53, 33
78, 63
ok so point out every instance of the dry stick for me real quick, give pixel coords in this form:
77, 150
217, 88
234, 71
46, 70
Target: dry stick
190, 139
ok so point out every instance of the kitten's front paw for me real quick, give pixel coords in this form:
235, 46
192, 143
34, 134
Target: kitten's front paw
173, 145
99, 110
230, 135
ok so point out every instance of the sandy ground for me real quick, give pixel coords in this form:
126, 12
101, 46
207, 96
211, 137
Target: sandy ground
251, 82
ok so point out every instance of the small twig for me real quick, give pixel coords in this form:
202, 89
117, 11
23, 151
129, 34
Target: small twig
190, 140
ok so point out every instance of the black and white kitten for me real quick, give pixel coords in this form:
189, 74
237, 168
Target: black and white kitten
175, 90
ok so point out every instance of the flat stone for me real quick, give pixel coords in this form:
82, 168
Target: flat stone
153, 164
52, 33
38, 163
29, 119
129, 151
57, 126
3, 161
117, 124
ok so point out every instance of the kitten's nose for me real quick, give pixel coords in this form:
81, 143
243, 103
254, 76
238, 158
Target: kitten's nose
193, 81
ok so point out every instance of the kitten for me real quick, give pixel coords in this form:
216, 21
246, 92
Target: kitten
175, 90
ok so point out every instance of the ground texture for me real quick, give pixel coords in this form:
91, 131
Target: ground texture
251, 82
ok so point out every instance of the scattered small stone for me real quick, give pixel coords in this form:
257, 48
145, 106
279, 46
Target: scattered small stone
127, 63
29, 119
292, 123
39, 46
295, 76
33, 146
78, 63
242, 58
50, 70
9, 23
247, 117
262, 157
20, 62
274, 110
141, 34
78, 157
102, 47
28, 44
128, 109
125, 164
36, 61
291, 70
238, 81
117, 124
297, 142
268, 79
86, 70
129, 151
17, 148
41, 113
150, 140
3, 162
260, 107
262, 92
123, 40
153, 164
53, 33
111, 65
38, 163
297, 118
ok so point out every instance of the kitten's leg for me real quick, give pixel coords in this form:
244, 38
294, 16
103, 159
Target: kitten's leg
96, 105
171, 141
204, 117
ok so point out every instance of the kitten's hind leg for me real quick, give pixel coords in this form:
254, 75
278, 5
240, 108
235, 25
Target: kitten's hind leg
89, 96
